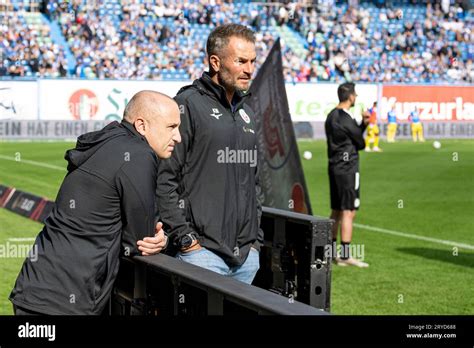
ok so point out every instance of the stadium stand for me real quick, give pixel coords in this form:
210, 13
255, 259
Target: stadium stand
142, 39
421, 43
27, 48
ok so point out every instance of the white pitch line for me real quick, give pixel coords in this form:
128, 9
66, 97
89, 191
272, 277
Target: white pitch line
21, 239
34, 163
415, 236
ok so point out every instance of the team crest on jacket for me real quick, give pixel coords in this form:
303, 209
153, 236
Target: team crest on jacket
244, 116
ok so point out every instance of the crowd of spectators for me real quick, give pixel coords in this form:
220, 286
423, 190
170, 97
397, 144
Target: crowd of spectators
133, 39
146, 40
26, 48
342, 44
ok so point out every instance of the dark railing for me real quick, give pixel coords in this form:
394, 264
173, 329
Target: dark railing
165, 286
294, 277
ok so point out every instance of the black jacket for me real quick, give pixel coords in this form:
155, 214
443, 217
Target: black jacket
344, 139
217, 201
106, 199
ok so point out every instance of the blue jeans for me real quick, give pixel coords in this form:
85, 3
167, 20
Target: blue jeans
207, 259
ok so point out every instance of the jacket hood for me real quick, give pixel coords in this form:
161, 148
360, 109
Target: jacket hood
88, 143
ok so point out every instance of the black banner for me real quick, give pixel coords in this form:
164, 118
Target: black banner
25, 204
281, 172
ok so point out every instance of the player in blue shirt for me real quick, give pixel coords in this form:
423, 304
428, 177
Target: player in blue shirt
416, 126
392, 125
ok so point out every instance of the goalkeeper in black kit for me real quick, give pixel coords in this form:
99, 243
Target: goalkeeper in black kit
344, 133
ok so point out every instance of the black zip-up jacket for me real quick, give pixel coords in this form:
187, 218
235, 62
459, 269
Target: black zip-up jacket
344, 139
106, 199
214, 200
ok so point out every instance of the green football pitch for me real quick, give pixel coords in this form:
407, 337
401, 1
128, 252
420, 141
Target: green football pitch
415, 224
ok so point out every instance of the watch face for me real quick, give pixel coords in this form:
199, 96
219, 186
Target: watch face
186, 241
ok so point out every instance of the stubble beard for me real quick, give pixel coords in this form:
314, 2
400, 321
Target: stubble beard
226, 81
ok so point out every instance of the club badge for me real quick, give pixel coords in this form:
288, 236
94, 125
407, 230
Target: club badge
244, 116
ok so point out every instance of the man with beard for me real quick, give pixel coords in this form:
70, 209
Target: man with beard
344, 139
212, 210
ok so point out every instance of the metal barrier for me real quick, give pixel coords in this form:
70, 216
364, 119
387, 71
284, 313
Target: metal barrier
293, 263
165, 286
296, 258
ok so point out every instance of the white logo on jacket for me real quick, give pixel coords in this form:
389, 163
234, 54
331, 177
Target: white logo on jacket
216, 113
247, 130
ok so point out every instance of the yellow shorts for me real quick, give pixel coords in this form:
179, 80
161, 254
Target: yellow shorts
372, 130
416, 127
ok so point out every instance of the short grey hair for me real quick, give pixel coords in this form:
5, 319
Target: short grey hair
219, 37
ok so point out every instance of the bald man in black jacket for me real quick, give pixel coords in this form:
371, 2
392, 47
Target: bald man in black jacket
105, 207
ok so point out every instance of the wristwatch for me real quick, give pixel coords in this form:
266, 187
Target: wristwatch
187, 240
